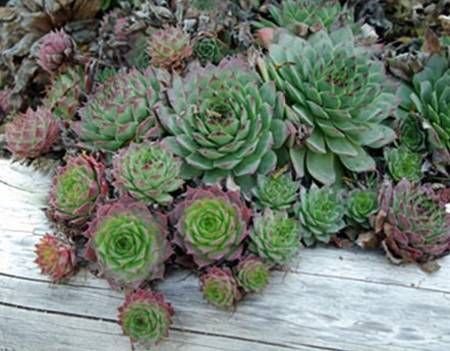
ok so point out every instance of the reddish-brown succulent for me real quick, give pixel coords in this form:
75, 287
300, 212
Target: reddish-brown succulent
33, 133
413, 221
55, 48
169, 47
55, 258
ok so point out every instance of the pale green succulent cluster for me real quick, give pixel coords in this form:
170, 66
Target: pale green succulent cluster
223, 121
275, 237
278, 192
334, 87
427, 102
321, 214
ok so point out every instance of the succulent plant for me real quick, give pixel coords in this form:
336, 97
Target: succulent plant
76, 190
321, 212
145, 317
361, 205
147, 172
129, 242
63, 96
32, 133
121, 111
169, 48
414, 224
303, 16
219, 287
428, 100
276, 191
55, 49
336, 89
403, 163
275, 237
55, 258
411, 134
208, 49
211, 224
224, 122
252, 274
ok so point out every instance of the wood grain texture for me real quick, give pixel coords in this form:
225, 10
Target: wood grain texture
329, 300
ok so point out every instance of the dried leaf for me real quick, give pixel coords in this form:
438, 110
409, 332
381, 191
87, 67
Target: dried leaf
432, 44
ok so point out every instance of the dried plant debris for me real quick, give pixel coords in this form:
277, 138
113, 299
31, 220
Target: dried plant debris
226, 136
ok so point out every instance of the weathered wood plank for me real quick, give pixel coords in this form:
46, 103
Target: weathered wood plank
24, 330
292, 312
29, 330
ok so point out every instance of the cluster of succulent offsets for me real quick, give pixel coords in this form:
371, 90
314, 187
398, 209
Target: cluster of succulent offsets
222, 139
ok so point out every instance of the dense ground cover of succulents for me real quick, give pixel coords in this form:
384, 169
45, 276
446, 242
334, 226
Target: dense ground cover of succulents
225, 137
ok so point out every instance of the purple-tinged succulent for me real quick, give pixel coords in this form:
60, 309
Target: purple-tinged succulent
55, 49
148, 172
55, 258
32, 133
413, 222
121, 111
145, 317
169, 47
211, 224
129, 242
252, 274
76, 190
219, 287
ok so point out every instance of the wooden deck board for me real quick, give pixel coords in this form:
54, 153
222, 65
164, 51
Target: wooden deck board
330, 300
